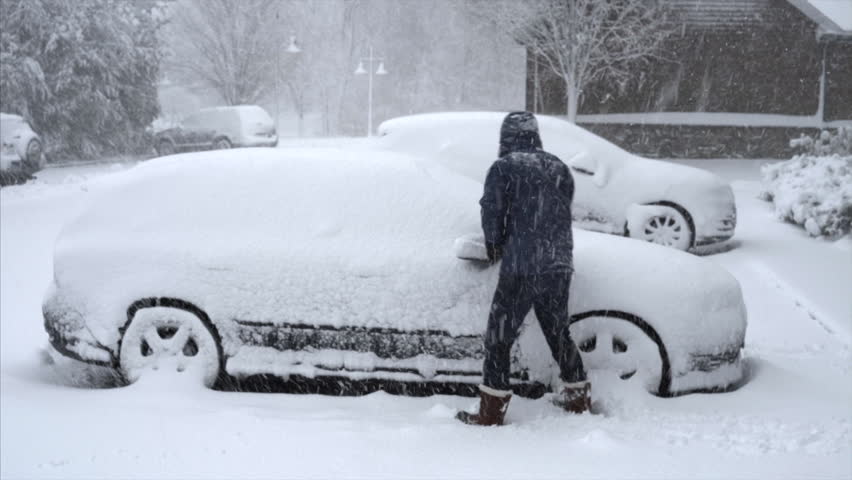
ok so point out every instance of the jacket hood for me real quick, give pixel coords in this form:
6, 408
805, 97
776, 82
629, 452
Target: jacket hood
519, 133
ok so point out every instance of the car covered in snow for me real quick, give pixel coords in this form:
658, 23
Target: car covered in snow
21, 149
616, 191
334, 265
218, 128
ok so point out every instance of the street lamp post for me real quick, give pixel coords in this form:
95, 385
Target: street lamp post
380, 71
293, 48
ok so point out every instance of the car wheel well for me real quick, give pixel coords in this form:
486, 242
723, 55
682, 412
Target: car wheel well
664, 389
166, 141
681, 210
225, 138
180, 305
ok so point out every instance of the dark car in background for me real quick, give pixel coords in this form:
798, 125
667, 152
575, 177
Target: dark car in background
219, 128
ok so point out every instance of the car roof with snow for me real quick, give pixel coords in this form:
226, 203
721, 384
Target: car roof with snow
459, 138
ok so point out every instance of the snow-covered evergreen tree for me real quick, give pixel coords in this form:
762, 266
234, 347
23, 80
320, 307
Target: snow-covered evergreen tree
84, 73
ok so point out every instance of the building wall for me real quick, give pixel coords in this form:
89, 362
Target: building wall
767, 66
838, 94
755, 56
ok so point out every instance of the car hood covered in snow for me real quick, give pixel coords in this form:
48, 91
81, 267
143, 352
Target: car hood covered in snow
338, 238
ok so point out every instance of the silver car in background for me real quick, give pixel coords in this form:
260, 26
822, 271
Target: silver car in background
21, 149
616, 192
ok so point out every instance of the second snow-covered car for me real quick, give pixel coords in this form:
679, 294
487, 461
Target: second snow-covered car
219, 128
340, 266
616, 191
21, 149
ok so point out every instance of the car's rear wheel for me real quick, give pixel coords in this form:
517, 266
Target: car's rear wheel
34, 156
625, 344
170, 340
669, 228
165, 147
221, 144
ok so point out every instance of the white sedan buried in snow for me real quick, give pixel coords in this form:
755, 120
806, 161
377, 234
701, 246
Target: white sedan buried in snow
21, 149
339, 266
616, 191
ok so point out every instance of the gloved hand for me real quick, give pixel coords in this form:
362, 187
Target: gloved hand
494, 252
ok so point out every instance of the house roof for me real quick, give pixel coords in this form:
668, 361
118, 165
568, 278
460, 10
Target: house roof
720, 14
832, 16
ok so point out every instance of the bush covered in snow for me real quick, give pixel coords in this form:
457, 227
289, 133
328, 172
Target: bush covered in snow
838, 142
813, 191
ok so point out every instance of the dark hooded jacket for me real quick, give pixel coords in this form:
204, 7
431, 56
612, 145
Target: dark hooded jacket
526, 204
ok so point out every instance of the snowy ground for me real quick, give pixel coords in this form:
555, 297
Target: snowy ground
793, 419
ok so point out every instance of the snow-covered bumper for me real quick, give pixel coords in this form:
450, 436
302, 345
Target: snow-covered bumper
69, 335
712, 372
717, 220
718, 230
260, 141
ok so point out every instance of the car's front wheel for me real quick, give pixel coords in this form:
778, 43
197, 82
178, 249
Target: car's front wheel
622, 343
221, 144
34, 156
164, 339
668, 227
165, 147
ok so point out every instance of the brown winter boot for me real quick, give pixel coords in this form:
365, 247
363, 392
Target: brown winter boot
492, 408
575, 397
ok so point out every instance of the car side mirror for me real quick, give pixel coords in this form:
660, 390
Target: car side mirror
584, 164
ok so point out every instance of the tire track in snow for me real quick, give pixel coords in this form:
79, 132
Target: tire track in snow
811, 311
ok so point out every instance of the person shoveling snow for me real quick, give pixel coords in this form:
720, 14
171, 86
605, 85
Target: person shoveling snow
526, 219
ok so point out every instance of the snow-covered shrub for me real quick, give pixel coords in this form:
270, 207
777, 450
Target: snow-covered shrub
812, 191
828, 142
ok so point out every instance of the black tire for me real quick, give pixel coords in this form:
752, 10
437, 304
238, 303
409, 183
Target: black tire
222, 143
166, 147
201, 342
34, 160
663, 388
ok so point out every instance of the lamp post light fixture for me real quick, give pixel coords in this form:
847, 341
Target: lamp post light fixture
293, 48
369, 72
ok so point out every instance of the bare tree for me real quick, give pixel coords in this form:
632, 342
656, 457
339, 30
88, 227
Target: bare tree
583, 41
227, 45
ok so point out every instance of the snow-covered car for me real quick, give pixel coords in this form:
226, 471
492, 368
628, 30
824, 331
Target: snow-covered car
21, 149
218, 128
340, 265
616, 191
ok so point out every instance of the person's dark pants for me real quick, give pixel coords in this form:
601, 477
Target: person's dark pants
515, 295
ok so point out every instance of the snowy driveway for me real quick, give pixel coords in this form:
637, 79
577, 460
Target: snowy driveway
792, 420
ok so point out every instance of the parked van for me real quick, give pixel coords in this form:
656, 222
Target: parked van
219, 128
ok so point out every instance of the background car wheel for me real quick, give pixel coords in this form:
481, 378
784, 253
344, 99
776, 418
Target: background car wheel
34, 156
669, 228
624, 344
165, 147
169, 340
221, 144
